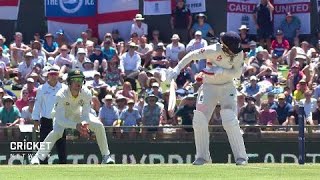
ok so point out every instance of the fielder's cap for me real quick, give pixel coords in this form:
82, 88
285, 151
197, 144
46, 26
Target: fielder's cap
75, 74
198, 33
279, 32
243, 27
60, 32
175, 37
130, 101
81, 51
28, 54
253, 78
79, 40
281, 96
30, 80
232, 40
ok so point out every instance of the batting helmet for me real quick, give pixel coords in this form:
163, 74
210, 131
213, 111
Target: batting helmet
232, 40
74, 74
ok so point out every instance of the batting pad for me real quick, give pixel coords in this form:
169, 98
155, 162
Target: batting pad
201, 135
231, 126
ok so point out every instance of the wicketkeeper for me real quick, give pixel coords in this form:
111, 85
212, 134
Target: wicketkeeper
72, 110
224, 63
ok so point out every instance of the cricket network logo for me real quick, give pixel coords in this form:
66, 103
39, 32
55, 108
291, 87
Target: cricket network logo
24, 150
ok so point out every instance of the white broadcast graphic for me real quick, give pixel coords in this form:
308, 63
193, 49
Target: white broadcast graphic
76, 4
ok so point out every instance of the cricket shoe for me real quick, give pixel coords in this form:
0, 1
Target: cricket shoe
106, 159
199, 161
35, 160
241, 162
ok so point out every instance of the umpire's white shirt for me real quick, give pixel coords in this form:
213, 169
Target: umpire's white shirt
68, 110
45, 100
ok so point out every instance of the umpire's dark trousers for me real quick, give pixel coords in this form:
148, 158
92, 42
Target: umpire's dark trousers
46, 126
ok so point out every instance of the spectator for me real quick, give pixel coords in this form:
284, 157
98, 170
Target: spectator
64, 60
159, 61
18, 49
50, 47
85, 39
37, 49
108, 51
77, 45
288, 95
284, 110
3, 46
25, 69
127, 92
4, 64
108, 113
252, 51
202, 26
216, 116
316, 114
168, 116
253, 89
121, 103
299, 93
30, 86
294, 77
9, 114
155, 90
37, 59
259, 61
61, 39
262, 18
145, 50
151, 114
130, 117
91, 37
241, 101
310, 106
184, 78
271, 99
245, 40
138, 26
175, 50
198, 43
113, 75
99, 85
116, 36
181, 20
155, 38
249, 114
23, 100
2, 93
185, 111
290, 27
267, 75
80, 60
280, 46
267, 116
26, 112
98, 58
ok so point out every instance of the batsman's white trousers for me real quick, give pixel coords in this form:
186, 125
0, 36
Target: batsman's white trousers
94, 125
208, 97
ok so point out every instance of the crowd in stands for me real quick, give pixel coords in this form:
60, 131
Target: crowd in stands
127, 77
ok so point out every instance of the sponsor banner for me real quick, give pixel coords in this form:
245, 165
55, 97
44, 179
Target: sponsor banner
156, 7
9, 9
70, 8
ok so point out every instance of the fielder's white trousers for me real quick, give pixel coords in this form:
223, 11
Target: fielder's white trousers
208, 97
94, 125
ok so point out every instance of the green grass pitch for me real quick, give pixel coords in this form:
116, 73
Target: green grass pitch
161, 171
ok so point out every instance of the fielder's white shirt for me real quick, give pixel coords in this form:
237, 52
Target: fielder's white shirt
143, 30
172, 52
130, 63
45, 100
68, 110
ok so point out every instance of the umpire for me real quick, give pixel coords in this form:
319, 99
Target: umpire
45, 100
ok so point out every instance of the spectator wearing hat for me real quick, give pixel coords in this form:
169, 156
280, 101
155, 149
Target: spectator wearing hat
26, 112
9, 114
145, 50
98, 58
3, 46
299, 49
31, 88
22, 101
202, 26
25, 68
77, 45
127, 91
284, 110
253, 89
262, 18
267, 116
80, 60
37, 49
175, 50
197, 43
155, 89
291, 27
181, 20
99, 85
299, 93
310, 105
280, 46
252, 49
18, 49
121, 103
138, 26
185, 111
294, 76
151, 114
108, 113
130, 117
244, 36
64, 60
249, 114
268, 75
4, 64
61, 38
50, 47
108, 50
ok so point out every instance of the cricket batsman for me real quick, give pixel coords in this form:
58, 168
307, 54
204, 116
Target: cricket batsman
72, 110
224, 63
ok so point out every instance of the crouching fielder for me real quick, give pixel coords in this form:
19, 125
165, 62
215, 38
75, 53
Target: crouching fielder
217, 87
72, 110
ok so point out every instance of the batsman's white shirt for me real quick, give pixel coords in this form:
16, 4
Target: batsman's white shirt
68, 110
45, 100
